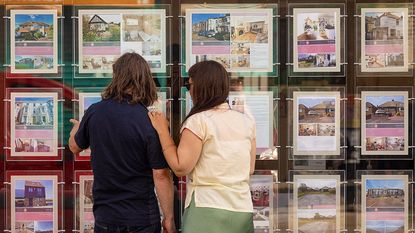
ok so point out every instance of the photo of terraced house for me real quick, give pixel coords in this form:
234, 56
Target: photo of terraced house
211, 27
385, 193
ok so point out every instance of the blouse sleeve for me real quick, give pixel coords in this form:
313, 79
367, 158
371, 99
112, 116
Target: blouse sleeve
196, 125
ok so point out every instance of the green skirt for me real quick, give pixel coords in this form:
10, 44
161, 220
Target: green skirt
213, 220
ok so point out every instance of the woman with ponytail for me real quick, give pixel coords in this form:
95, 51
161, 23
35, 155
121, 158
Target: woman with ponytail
216, 152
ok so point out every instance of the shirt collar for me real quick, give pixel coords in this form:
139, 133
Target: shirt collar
223, 106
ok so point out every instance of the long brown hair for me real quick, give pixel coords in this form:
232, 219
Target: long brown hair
210, 86
131, 78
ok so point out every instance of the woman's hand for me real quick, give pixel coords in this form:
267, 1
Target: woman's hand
159, 121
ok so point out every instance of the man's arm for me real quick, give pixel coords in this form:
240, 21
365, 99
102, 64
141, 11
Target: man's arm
165, 192
73, 146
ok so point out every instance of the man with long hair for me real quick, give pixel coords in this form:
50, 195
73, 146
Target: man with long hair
126, 155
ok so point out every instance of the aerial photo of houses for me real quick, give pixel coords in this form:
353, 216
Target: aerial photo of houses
385, 118
316, 116
385, 203
34, 40
384, 38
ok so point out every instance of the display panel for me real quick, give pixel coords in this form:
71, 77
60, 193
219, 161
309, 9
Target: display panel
34, 203
384, 203
259, 106
34, 124
384, 38
384, 123
316, 123
86, 99
316, 40
240, 39
317, 203
264, 199
33, 36
104, 35
84, 201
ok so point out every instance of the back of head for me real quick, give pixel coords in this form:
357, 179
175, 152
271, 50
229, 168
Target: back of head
132, 80
210, 86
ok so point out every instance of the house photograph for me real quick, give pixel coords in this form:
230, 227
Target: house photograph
316, 110
385, 109
101, 27
34, 27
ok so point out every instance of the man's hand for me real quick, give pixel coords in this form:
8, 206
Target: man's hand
168, 226
75, 127
72, 144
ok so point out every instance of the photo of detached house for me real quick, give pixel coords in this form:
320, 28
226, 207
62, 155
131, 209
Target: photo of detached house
210, 27
34, 27
385, 109
384, 26
34, 195
101, 27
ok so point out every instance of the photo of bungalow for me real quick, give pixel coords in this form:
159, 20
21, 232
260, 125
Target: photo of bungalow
385, 109
316, 110
210, 27
34, 27
252, 29
384, 26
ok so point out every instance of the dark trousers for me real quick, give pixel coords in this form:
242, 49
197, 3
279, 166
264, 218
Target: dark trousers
111, 228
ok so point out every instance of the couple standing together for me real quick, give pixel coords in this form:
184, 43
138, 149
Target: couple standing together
132, 151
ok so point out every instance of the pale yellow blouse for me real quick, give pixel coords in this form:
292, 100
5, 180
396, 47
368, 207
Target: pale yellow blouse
220, 178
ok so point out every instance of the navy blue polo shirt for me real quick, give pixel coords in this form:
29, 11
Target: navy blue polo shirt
124, 149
